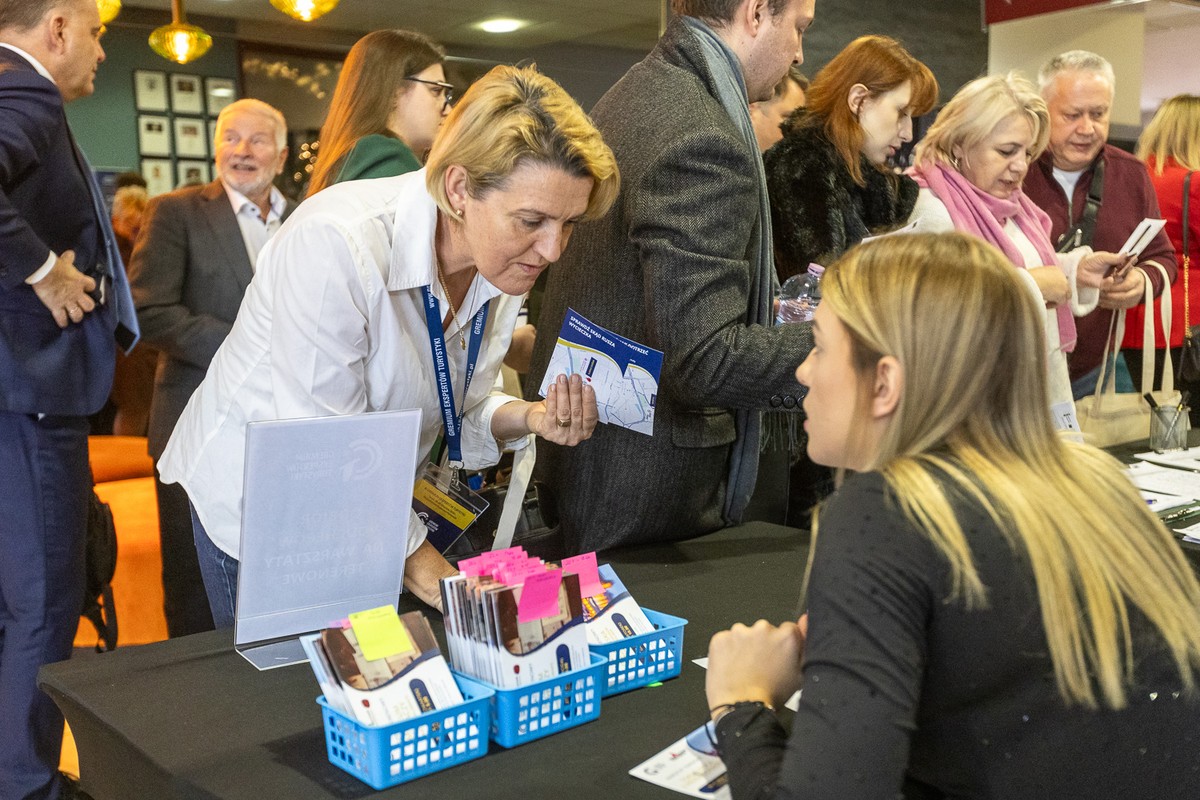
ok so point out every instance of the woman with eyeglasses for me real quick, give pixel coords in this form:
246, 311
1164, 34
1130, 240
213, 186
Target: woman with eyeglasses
389, 102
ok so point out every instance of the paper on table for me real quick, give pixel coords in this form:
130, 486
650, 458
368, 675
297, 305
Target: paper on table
1191, 533
1142, 235
1159, 502
1165, 480
1179, 459
690, 766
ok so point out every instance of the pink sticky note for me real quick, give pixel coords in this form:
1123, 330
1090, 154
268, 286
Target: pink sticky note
539, 596
589, 576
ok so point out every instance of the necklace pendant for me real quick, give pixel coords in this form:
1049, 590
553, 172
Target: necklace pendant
462, 343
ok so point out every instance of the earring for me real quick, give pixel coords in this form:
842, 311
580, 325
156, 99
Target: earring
458, 212
954, 161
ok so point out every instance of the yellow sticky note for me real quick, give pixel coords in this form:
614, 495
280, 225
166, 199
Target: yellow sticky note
380, 633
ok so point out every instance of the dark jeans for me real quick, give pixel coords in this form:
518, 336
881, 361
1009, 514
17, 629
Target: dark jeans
44, 490
220, 573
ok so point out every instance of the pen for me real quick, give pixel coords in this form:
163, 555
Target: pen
1150, 399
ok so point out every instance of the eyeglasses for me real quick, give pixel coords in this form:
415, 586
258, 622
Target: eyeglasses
446, 90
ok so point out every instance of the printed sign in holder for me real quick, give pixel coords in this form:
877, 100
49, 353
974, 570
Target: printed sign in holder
393, 754
325, 521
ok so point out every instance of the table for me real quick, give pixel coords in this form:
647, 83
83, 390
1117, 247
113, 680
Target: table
190, 718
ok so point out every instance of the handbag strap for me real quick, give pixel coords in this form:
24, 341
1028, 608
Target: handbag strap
1106, 384
1187, 257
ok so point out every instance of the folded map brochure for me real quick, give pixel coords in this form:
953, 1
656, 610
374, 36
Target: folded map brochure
613, 614
515, 621
411, 680
623, 373
690, 766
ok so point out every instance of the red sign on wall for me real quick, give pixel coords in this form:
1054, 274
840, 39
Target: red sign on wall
1005, 10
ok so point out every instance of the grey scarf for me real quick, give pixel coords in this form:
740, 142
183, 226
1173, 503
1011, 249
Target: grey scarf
726, 70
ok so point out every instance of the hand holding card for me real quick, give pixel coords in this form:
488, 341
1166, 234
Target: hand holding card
1141, 237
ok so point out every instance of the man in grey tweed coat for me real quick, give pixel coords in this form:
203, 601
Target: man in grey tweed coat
679, 264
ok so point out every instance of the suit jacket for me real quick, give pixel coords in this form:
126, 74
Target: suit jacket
47, 203
188, 273
670, 266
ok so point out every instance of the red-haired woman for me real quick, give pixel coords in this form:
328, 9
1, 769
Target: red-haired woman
829, 181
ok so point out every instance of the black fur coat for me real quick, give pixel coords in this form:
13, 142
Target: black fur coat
817, 210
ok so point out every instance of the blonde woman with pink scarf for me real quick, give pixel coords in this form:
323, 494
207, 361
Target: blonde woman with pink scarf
970, 166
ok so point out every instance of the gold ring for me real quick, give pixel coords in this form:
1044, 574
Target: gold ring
563, 423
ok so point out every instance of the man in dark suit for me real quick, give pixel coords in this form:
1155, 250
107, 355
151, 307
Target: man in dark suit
682, 263
63, 301
190, 267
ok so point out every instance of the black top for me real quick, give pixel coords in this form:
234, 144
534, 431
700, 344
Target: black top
907, 694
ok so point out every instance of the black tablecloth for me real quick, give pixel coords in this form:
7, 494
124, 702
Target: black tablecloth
189, 718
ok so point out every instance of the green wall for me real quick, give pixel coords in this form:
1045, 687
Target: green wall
105, 124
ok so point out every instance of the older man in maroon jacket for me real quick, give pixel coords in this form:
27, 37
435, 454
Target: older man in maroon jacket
1078, 88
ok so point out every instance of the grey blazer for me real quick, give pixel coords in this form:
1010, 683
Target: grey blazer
669, 266
188, 273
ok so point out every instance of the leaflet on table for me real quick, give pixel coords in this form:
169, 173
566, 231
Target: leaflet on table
690, 766
1191, 533
1188, 459
1164, 480
412, 679
613, 614
623, 373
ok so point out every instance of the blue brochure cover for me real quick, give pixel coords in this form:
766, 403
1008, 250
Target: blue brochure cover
623, 373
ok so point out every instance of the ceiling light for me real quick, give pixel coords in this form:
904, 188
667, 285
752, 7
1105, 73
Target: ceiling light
108, 10
501, 25
180, 42
305, 10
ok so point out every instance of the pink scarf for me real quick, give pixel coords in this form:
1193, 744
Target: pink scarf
973, 210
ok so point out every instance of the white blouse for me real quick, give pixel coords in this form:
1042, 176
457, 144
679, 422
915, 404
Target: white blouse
334, 323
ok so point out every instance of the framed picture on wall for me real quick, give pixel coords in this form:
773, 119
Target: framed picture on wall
150, 90
218, 93
185, 94
158, 174
154, 135
190, 133
191, 172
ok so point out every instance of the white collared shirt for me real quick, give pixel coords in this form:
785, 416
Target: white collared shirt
334, 323
256, 231
52, 259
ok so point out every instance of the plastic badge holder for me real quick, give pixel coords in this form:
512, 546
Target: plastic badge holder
392, 754
646, 658
531, 712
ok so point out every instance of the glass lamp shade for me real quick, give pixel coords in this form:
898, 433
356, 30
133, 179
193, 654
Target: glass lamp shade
305, 10
180, 42
108, 10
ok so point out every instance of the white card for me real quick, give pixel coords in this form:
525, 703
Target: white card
1142, 235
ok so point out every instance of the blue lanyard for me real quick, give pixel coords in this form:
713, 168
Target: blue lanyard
437, 344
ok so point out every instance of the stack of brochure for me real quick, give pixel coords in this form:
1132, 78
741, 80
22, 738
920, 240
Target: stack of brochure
512, 620
380, 668
611, 613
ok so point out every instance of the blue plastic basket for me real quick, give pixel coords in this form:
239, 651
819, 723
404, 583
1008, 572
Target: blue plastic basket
393, 754
646, 658
546, 707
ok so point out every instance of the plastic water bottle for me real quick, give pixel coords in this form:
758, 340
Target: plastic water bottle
800, 295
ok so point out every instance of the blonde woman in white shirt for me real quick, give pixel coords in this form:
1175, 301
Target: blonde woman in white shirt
334, 321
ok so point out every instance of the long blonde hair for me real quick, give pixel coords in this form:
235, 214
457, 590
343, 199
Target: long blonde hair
1174, 133
373, 73
935, 303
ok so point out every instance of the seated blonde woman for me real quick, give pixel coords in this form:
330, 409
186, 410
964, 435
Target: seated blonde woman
970, 167
993, 612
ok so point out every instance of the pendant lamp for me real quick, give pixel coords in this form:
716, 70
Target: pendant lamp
305, 10
108, 10
179, 41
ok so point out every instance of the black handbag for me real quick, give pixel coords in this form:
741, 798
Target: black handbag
1189, 361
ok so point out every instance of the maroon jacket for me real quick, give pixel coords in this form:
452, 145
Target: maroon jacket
1128, 199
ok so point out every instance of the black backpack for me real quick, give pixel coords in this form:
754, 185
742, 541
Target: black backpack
101, 564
